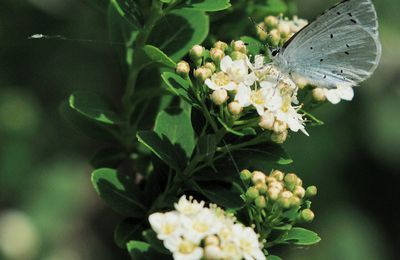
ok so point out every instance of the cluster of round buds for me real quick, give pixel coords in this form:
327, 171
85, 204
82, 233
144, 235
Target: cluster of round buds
278, 30
278, 189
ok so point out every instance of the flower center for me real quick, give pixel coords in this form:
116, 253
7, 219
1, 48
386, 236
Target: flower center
186, 247
169, 228
257, 97
200, 227
221, 79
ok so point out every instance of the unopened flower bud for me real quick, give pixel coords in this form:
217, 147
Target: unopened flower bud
258, 177
279, 126
211, 240
284, 203
299, 192
279, 138
267, 120
245, 175
202, 73
211, 66
318, 94
275, 36
286, 194
311, 191
219, 96
299, 182
235, 108
271, 21
183, 68
294, 201
278, 175
301, 82
275, 185
307, 215
252, 193
221, 45
216, 54
260, 202
262, 188
196, 53
273, 193
284, 28
239, 46
269, 179
290, 181
261, 32
212, 252
237, 55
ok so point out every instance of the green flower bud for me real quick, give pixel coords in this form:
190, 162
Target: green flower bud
284, 203
245, 175
252, 193
299, 192
262, 188
279, 138
239, 46
221, 45
235, 108
290, 181
294, 201
311, 191
261, 31
279, 126
260, 202
278, 175
318, 94
307, 215
271, 21
202, 73
219, 96
217, 55
236, 55
211, 66
182, 68
196, 53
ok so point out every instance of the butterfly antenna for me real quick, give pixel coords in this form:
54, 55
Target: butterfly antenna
39, 36
269, 47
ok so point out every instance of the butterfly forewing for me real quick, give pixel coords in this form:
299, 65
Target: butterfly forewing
341, 47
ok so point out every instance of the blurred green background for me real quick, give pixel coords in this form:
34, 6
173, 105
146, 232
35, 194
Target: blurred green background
48, 209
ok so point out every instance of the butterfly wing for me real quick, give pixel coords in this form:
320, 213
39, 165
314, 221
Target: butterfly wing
341, 47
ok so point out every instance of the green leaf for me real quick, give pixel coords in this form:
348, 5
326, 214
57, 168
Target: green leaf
151, 237
219, 194
254, 46
139, 250
265, 156
301, 237
89, 127
156, 55
208, 5
109, 156
273, 257
107, 184
273, 7
162, 147
229, 129
129, 10
129, 229
184, 28
175, 124
178, 86
206, 146
94, 107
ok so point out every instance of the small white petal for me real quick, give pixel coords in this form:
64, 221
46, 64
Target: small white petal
346, 92
332, 95
226, 63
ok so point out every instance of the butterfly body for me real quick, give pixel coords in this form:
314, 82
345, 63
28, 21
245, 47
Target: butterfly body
340, 48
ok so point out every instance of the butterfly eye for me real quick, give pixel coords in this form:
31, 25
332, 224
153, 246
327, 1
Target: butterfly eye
275, 52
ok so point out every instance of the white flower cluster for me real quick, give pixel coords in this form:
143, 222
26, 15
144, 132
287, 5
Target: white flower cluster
193, 231
261, 87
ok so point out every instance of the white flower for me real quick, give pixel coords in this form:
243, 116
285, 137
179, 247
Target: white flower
238, 70
183, 249
200, 225
334, 95
189, 207
230, 251
247, 240
292, 118
220, 80
259, 98
165, 224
